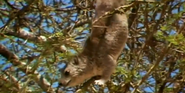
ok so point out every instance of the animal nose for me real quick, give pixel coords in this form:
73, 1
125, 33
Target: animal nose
62, 83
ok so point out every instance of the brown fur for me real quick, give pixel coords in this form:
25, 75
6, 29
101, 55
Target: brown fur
102, 48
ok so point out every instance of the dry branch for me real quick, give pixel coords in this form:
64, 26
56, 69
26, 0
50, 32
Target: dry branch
42, 82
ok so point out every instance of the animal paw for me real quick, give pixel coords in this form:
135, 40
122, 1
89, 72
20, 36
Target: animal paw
100, 82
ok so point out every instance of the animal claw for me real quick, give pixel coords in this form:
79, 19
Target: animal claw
100, 82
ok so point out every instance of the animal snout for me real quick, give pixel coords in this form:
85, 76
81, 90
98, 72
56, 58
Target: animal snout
63, 83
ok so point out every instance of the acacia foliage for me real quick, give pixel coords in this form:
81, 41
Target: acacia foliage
34, 32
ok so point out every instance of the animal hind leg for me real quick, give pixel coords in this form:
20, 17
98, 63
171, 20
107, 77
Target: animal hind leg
108, 68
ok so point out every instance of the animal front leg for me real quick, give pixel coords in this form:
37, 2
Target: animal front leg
108, 69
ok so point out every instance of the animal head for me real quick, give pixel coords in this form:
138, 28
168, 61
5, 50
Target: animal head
74, 73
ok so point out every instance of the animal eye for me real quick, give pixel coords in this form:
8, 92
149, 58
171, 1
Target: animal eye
66, 73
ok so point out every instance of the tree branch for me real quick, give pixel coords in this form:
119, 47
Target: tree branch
42, 82
26, 35
165, 51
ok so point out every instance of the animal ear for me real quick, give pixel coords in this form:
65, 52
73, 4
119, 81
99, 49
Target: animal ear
76, 61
